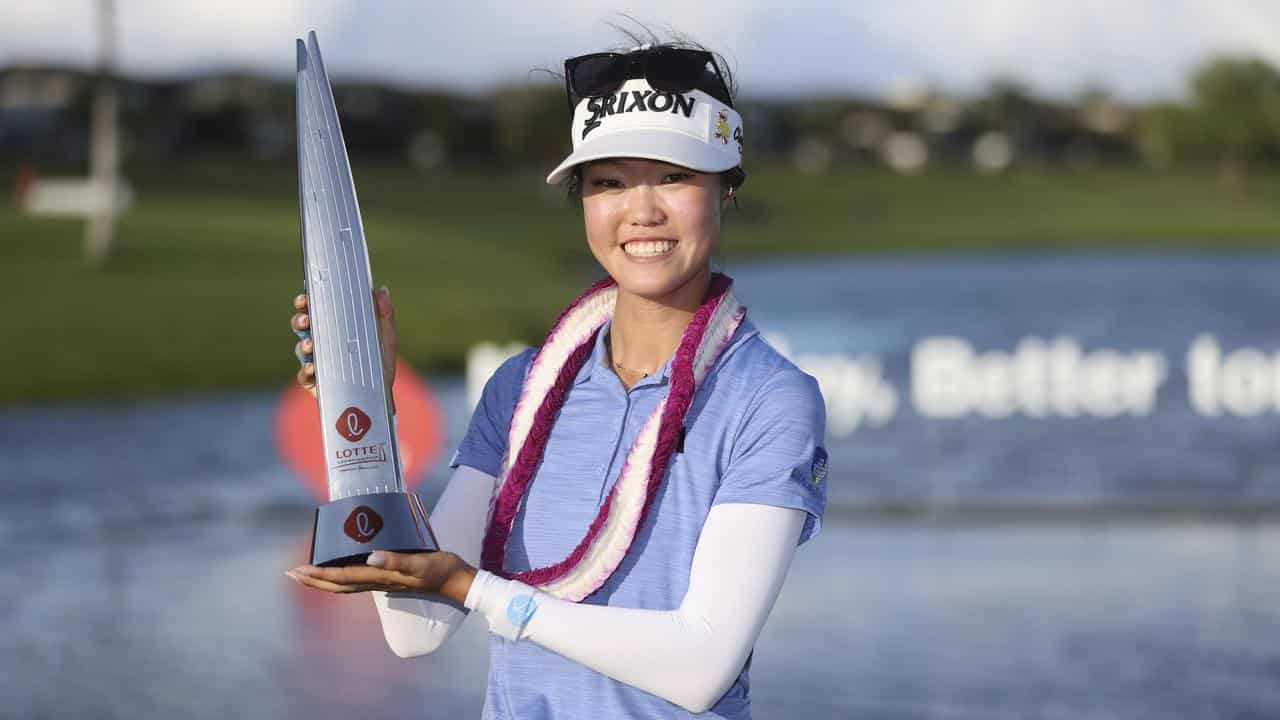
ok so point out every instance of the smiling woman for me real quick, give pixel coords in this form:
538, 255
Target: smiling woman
629, 495
653, 226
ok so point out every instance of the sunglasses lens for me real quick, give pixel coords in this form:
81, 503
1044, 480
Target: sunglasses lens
597, 75
676, 70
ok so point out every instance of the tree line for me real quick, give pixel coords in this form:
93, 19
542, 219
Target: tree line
1229, 119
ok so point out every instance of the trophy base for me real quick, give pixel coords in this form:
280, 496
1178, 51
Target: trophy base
347, 530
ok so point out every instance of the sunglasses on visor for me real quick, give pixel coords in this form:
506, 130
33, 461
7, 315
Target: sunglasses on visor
665, 69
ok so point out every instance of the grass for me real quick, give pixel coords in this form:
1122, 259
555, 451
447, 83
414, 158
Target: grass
197, 293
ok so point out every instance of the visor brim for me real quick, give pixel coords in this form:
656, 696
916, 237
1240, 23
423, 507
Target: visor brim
667, 146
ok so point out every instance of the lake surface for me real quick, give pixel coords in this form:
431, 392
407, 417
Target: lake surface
146, 540
902, 622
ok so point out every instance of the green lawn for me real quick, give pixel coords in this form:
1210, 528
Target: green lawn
197, 294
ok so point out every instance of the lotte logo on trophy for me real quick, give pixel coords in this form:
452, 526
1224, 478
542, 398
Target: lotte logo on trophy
368, 506
353, 424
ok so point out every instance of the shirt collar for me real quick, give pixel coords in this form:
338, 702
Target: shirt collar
600, 355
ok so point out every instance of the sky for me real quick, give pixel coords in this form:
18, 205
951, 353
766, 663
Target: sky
1139, 49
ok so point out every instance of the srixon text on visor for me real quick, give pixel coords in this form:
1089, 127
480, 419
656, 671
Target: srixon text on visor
636, 101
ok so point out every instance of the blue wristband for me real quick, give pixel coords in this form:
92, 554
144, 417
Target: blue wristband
520, 609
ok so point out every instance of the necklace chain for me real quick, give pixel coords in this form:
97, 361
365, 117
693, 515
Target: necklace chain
619, 365
622, 367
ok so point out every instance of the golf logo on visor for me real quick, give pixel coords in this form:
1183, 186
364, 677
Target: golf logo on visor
722, 127
636, 101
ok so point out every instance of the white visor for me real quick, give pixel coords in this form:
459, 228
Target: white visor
690, 129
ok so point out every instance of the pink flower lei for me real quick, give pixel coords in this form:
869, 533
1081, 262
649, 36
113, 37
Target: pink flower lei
546, 385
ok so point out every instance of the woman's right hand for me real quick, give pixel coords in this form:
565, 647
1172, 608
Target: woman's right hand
305, 348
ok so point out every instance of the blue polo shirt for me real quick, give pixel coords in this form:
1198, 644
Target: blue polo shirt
753, 434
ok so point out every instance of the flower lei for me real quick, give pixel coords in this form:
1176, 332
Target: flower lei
554, 367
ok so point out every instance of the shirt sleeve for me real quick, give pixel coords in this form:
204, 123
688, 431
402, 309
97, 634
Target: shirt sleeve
778, 456
486, 438
689, 656
416, 625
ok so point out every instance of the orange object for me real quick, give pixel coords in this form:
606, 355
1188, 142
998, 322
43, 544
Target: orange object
297, 429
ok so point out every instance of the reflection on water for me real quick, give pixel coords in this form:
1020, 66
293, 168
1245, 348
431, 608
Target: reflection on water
910, 622
1031, 622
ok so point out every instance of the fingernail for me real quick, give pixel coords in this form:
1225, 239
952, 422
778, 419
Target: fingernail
386, 291
292, 576
376, 560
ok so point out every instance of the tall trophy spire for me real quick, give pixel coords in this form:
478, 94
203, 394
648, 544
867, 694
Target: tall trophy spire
368, 507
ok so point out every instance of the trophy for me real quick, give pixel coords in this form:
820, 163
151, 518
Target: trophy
368, 506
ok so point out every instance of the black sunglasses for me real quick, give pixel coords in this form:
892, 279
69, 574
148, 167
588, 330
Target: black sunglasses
665, 68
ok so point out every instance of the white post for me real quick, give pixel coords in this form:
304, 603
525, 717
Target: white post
104, 154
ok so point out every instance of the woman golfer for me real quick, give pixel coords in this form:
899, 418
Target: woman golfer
628, 496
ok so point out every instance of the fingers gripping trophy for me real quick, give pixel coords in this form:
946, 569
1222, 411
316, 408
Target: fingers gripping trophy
369, 508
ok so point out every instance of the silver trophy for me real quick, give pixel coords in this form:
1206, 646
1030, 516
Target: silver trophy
368, 506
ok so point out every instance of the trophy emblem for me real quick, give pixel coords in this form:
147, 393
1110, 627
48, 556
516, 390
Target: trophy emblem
368, 506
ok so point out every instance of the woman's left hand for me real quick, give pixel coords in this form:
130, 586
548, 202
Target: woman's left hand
436, 573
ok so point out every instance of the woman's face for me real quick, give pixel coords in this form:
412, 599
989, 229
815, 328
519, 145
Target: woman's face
651, 225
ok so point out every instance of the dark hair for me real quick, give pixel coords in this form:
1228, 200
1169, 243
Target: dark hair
733, 177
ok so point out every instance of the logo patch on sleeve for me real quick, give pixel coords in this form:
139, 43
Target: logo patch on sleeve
520, 609
818, 469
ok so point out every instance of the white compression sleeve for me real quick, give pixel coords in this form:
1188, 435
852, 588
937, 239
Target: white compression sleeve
689, 656
415, 624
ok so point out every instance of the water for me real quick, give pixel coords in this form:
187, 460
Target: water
146, 540
904, 622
